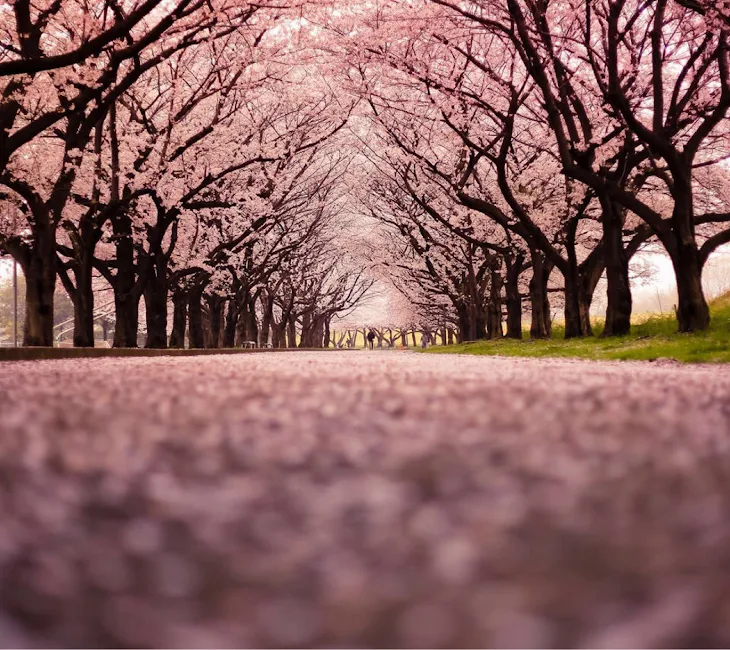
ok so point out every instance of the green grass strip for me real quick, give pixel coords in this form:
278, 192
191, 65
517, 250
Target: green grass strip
653, 338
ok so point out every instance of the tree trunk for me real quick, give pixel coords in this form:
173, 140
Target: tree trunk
241, 329
126, 308
464, 332
573, 321
590, 275
155, 299
179, 320
494, 307
327, 335
514, 300
216, 305
540, 325
618, 311
267, 320
83, 299
575, 317
252, 326
693, 313
304, 341
277, 335
40, 285
292, 332
195, 315
317, 339
126, 304
247, 328
229, 337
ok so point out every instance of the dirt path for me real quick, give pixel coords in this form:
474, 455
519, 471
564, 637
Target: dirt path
363, 499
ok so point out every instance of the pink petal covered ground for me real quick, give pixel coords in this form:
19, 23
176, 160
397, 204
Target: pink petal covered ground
359, 498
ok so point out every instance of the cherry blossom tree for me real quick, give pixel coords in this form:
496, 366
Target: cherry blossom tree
655, 75
245, 242
194, 152
48, 119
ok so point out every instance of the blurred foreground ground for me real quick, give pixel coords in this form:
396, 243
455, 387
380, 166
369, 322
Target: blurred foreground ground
363, 499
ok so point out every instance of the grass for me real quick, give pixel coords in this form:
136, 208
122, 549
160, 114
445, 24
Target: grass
653, 338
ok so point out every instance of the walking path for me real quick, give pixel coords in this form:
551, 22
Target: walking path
354, 499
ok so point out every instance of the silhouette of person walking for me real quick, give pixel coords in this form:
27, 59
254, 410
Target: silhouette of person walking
371, 338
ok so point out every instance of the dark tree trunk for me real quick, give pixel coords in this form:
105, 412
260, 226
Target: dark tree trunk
540, 325
83, 299
251, 326
327, 335
83, 242
317, 339
246, 328
195, 315
277, 335
618, 310
590, 276
462, 317
155, 298
292, 333
494, 307
40, 285
179, 320
584, 305
267, 320
514, 299
472, 322
577, 320
127, 323
573, 320
229, 338
241, 329
216, 306
126, 303
693, 314
480, 325
305, 341
82, 293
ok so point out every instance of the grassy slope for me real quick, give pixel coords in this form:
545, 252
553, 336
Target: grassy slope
652, 339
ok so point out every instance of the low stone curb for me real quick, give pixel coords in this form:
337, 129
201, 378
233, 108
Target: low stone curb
38, 354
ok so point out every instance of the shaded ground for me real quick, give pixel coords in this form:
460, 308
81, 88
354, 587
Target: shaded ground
363, 499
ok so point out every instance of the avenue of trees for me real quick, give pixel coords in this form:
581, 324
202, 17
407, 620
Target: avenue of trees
246, 171
526, 146
184, 153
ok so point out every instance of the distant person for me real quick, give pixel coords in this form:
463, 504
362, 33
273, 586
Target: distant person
371, 338
425, 340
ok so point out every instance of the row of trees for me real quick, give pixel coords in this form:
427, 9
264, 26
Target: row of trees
186, 153
207, 157
512, 143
